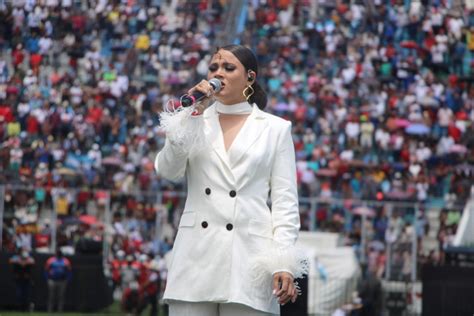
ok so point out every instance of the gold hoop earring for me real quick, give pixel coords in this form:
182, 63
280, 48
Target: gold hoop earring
247, 94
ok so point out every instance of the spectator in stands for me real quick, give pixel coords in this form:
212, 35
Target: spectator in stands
130, 301
150, 287
116, 269
370, 291
58, 272
23, 264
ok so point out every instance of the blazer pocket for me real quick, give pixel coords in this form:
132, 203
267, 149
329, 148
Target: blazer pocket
188, 219
262, 229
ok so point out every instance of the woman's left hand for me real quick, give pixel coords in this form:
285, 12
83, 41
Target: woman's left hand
284, 288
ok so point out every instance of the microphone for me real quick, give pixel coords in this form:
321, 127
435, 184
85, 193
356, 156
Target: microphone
188, 100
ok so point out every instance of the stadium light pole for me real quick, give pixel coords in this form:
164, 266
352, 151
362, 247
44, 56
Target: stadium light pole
54, 221
312, 214
388, 251
105, 236
158, 217
363, 237
2, 205
414, 244
414, 253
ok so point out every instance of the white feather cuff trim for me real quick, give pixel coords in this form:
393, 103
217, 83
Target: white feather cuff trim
278, 258
184, 129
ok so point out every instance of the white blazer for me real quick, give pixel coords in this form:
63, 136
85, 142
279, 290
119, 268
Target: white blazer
227, 225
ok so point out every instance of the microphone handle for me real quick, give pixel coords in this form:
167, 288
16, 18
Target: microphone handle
188, 100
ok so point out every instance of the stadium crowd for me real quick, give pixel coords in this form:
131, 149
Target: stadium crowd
381, 98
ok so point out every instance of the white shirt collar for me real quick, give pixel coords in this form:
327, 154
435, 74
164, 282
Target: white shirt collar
238, 108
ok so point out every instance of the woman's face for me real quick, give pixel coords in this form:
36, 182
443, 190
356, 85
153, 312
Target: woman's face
232, 74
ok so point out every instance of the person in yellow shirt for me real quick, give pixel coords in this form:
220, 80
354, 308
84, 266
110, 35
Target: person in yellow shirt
470, 38
113, 16
62, 205
142, 42
13, 129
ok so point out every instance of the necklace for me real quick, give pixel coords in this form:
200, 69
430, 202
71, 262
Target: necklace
238, 108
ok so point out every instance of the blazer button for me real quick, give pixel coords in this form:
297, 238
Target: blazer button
204, 224
208, 191
229, 227
232, 193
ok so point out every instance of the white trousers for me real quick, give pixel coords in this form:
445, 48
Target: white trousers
181, 308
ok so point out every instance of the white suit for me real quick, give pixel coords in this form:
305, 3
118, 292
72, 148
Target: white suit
227, 227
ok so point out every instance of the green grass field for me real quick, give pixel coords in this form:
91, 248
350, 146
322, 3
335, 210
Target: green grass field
113, 309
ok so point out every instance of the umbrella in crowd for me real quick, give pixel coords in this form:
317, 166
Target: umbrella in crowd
326, 172
377, 245
409, 44
356, 163
396, 123
363, 210
112, 161
429, 101
67, 171
458, 149
88, 219
72, 220
466, 168
417, 129
398, 195
399, 122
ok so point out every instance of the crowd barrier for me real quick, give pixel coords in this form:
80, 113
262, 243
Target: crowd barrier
448, 290
310, 208
87, 291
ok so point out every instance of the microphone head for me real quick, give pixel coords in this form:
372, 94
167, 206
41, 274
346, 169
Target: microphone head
216, 84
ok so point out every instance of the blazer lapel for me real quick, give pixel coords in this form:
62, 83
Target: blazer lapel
250, 132
214, 134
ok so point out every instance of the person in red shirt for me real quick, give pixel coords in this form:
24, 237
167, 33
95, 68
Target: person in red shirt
149, 289
35, 62
18, 56
116, 268
454, 132
6, 113
130, 287
142, 266
32, 125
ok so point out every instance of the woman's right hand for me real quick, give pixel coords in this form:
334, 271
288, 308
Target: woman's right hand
204, 87
284, 288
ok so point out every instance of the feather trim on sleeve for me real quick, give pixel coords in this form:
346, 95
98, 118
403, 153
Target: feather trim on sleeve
280, 258
183, 129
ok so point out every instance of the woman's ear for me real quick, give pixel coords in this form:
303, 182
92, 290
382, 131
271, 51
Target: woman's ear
250, 76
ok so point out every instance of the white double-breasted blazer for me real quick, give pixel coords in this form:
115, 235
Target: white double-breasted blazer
227, 223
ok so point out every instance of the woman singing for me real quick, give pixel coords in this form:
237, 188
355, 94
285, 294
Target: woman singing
233, 253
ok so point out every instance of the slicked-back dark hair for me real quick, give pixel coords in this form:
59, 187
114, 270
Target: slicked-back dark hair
249, 61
